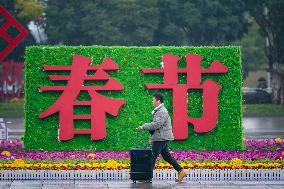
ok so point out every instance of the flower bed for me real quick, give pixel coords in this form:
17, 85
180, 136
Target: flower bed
259, 154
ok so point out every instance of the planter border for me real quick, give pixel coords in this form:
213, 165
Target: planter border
165, 174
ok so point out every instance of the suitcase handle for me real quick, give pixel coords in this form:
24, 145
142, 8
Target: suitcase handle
137, 140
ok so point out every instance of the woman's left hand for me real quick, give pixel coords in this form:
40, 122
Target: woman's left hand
139, 128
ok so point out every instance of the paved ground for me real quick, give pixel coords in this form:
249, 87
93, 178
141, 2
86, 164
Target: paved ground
263, 127
66, 184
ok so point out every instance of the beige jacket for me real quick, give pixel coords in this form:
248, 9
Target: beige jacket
161, 124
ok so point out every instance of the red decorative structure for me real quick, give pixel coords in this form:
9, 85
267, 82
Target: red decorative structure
11, 42
99, 104
210, 89
10, 81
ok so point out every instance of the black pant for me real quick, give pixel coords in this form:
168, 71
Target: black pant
161, 147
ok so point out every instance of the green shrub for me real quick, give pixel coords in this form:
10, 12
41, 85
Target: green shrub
121, 134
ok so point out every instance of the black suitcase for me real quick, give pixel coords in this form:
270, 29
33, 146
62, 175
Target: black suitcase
141, 163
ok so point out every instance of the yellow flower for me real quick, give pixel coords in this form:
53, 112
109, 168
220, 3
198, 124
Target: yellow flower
111, 164
18, 163
95, 164
190, 165
6, 153
210, 164
28, 165
236, 163
182, 164
278, 140
88, 165
223, 164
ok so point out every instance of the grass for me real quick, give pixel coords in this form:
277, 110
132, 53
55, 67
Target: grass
16, 110
263, 110
12, 109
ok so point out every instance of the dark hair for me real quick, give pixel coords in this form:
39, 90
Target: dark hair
159, 97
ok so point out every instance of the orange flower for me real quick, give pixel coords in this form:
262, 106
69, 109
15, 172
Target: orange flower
6, 153
91, 156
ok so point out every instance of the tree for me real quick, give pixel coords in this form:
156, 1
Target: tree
252, 49
269, 15
148, 22
167, 32
101, 22
202, 22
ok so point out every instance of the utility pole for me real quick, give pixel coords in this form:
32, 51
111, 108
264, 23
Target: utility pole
268, 48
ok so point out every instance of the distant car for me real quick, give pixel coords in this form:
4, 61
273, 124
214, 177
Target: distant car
249, 90
269, 90
256, 95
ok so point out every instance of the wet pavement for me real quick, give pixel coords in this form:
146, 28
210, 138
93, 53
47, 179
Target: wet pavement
254, 127
263, 127
66, 184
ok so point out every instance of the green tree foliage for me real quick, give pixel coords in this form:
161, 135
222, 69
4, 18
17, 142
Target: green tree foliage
253, 49
103, 22
269, 15
202, 22
150, 22
28, 10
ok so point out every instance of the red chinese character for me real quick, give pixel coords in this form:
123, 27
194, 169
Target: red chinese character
210, 90
99, 104
11, 42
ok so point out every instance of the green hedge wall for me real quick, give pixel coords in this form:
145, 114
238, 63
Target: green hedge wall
121, 134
